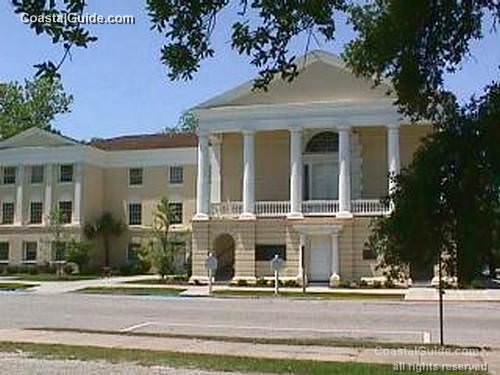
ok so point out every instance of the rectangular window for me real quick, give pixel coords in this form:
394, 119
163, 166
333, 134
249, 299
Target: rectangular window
4, 252
9, 175
37, 174
176, 175
133, 252
30, 250
267, 252
176, 209
59, 251
135, 214
66, 211
7, 213
66, 173
36, 212
135, 176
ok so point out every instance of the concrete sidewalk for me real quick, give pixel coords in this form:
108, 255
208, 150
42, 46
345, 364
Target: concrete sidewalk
272, 351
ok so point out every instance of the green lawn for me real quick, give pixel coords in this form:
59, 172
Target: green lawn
158, 282
201, 361
335, 342
325, 295
15, 286
51, 277
132, 291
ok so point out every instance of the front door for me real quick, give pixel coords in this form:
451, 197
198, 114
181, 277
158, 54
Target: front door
320, 258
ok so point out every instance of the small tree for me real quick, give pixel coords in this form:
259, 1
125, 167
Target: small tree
78, 252
56, 222
105, 227
164, 246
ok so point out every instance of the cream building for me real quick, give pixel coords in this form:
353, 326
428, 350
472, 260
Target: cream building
126, 176
298, 171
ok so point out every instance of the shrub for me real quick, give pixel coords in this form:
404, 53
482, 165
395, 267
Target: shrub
377, 284
291, 284
261, 282
33, 270
241, 282
389, 284
78, 252
478, 284
363, 284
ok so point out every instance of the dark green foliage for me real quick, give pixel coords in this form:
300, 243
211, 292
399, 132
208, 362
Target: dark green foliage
36, 104
78, 252
447, 201
68, 34
107, 227
262, 32
413, 43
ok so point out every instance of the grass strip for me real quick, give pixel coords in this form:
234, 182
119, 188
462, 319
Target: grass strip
131, 291
51, 277
15, 286
310, 295
337, 342
200, 361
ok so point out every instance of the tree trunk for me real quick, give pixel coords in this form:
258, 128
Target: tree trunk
106, 251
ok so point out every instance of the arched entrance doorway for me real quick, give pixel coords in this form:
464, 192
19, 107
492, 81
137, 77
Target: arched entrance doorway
224, 252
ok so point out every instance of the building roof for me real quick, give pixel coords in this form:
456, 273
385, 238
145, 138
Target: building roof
146, 142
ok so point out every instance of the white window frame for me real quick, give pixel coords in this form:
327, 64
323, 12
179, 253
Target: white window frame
61, 166
42, 168
130, 184
25, 252
170, 174
129, 214
6, 261
13, 212
71, 214
31, 212
11, 167
182, 213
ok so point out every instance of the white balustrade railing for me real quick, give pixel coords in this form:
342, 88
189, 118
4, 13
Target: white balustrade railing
369, 207
226, 209
272, 208
359, 207
320, 207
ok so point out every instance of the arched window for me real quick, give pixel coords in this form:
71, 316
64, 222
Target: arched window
322, 143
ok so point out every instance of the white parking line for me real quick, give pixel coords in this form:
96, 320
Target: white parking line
134, 327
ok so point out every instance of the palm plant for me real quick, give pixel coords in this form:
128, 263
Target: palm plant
165, 246
106, 227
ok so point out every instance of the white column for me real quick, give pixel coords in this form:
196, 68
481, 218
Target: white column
335, 273
47, 205
393, 156
77, 195
215, 178
344, 172
248, 175
295, 174
18, 217
203, 186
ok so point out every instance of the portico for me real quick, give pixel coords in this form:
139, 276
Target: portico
298, 171
336, 201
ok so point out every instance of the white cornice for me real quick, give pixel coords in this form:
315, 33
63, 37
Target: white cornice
91, 155
306, 115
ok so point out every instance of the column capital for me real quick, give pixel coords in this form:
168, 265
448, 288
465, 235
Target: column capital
248, 131
296, 129
393, 126
347, 128
202, 133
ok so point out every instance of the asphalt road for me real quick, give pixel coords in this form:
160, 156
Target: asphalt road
465, 323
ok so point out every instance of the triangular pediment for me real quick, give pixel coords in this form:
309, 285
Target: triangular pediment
35, 137
323, 78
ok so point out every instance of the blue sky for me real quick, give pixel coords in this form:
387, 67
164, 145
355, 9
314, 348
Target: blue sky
120, 86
